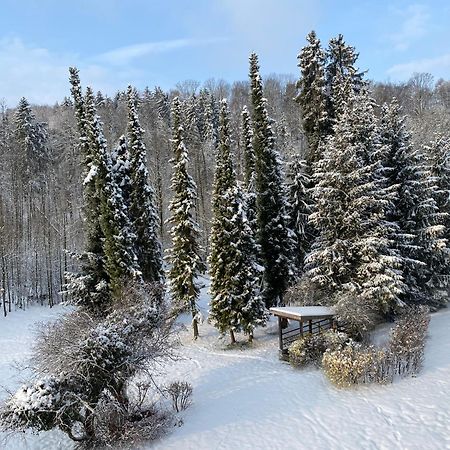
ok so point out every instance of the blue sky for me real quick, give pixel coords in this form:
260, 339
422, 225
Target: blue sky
155, 42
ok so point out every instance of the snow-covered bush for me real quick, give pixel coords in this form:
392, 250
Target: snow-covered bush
407, 340
309, 349
356, 314
306, 293
34, 405
358, 364
88, 367
180, 393
355, 364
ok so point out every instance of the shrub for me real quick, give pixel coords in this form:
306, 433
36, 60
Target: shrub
306, 293
180, 393
310, 348
356, 314
87, 367
407, 340
358, 364
355, 364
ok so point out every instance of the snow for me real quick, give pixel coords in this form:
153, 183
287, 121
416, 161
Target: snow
16, 339
303, 311
245, 397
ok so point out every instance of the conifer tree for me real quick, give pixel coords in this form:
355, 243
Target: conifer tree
118, 244
312, 94
89, 288
249, 154
421, 238
143, 214
342, 78
121, 169
32, 137
438, 151
235, 305
184, 256
354, 251
249, 170
299, 209
273, 235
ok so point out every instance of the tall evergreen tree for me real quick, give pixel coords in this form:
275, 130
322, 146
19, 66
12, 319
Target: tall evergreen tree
438, 151
312, 94
249, 171
32, 138
273, 234
121, 169
235, 305
342, 77
421, 236
118, 244
143, 213
354, 251
299, 209
184, 256
89, 288
249, 154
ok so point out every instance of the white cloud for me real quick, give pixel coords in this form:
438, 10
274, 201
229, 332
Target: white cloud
414, 26
439, 66
124, 55
42, 76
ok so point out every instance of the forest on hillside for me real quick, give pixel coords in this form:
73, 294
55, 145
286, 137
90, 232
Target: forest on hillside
326, 189
41, 191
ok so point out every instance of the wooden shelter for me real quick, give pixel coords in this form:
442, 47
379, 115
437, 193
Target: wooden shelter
310, 319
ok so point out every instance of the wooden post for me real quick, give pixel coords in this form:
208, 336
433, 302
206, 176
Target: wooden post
301, 328
280, 334
310, 326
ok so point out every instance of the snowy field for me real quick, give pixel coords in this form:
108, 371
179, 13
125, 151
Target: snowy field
246, 398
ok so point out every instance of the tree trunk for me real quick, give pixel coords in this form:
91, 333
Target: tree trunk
195, 328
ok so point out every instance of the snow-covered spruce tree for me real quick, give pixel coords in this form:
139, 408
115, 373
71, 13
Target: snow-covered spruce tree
421, 238
299, 209
438, 152
89, 287
340, 72
273, 235
184, 255
121, 169
249, 154
312, 95
118, 245
143, 214
249, 170
353, 251
235, 305
32, 138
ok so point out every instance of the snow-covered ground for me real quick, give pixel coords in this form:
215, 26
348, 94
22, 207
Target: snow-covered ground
246, 398
16, 338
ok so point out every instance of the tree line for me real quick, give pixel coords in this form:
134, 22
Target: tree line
284, 228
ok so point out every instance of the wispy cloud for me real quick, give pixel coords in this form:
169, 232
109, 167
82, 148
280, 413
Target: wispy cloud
437, 65
42, 75
414, 25
124, 55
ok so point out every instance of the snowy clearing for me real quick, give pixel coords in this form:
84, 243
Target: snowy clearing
246, 398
